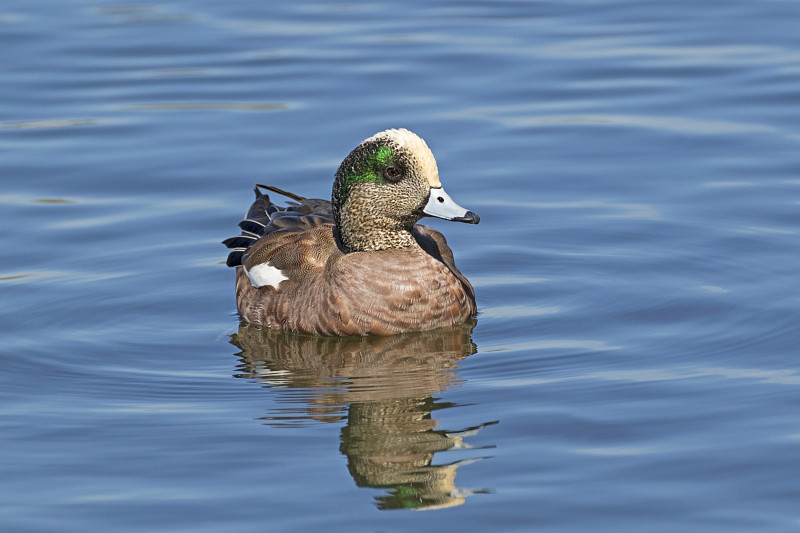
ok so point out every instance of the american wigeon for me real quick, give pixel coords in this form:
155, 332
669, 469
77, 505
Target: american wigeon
360, 264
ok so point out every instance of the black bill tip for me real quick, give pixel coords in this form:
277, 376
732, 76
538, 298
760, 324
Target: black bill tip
470, 217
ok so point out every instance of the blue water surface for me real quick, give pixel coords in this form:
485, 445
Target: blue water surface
634, 363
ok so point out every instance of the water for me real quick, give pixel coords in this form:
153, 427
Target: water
635, 168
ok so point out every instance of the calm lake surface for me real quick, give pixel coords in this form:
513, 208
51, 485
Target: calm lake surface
634, 366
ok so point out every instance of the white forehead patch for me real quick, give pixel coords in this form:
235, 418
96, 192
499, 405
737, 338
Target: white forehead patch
417, 147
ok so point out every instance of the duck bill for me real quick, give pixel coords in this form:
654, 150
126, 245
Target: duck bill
440, 205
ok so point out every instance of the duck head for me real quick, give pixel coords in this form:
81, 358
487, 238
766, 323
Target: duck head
385, 186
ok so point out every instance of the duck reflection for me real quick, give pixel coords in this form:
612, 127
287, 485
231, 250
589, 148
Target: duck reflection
384, 388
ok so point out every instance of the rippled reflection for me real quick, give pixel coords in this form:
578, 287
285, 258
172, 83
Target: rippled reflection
383, 387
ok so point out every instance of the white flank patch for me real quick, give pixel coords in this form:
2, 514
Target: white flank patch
417, 146
263, 275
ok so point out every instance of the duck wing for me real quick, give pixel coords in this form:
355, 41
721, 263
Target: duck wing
265, 218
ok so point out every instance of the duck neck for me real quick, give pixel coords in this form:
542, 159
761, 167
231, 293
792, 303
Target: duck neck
360, 231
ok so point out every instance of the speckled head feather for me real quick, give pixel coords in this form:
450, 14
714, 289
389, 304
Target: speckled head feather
380, 190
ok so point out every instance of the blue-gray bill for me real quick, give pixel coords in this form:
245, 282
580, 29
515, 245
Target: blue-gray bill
440, 205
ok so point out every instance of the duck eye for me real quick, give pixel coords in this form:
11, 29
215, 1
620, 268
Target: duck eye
392, 173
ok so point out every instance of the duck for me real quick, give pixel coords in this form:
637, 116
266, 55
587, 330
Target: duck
359, 263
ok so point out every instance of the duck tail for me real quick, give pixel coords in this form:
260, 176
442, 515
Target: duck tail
274, 189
